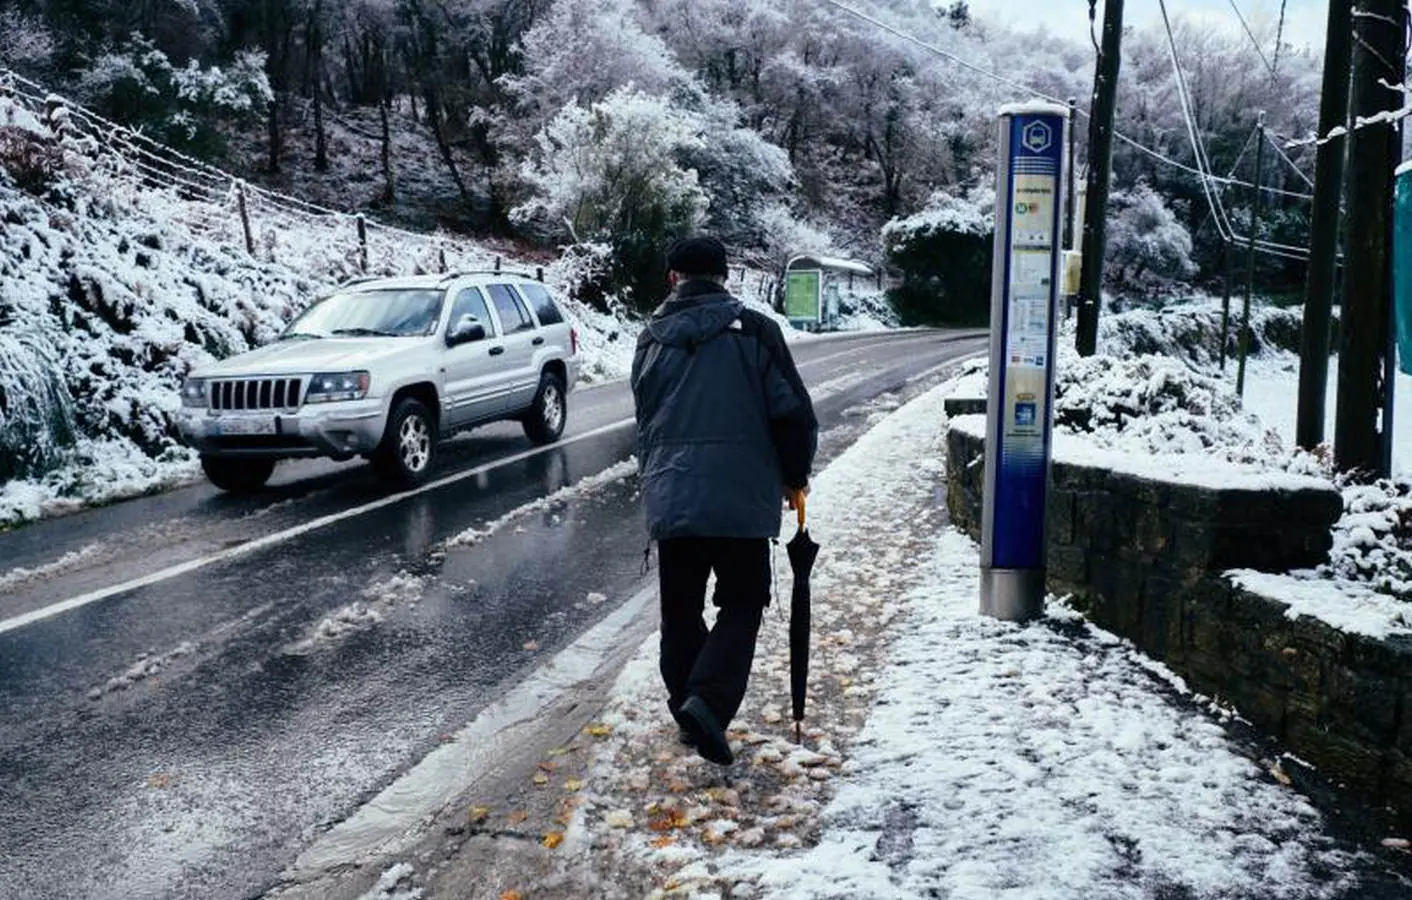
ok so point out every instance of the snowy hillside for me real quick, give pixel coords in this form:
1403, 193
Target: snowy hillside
117, 281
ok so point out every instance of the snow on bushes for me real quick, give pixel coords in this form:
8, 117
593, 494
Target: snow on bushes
1155, 404
1191, 331
1148, 248
1373, 540
36, 411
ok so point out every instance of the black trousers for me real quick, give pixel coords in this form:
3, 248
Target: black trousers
712, 665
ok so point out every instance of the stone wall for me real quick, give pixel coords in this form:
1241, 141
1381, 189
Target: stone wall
1144, 559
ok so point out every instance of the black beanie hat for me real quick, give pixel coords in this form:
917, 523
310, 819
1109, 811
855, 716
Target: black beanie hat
699, 255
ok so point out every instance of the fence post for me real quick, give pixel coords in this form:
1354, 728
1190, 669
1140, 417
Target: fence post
245, 217
539, 273
497, 265
441, 254
362, 243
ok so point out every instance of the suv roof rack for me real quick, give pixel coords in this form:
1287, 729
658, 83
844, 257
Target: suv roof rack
462, 273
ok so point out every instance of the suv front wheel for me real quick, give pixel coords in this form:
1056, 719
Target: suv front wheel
237, 476
408, 449
544, 422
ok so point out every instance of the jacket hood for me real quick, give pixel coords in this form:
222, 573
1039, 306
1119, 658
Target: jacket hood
694, 315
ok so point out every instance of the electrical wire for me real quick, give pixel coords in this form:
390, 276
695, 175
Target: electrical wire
1285, 156
1256, 43
1213, 198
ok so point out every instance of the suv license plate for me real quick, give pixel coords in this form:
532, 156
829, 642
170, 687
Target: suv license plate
245, 426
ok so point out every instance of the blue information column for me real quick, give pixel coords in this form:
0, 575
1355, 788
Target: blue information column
1023, 335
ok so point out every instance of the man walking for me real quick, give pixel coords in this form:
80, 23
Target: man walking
726, 432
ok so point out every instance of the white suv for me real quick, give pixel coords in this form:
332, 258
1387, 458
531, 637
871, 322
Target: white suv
382, 369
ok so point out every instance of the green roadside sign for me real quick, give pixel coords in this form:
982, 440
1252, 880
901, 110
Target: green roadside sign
803, 294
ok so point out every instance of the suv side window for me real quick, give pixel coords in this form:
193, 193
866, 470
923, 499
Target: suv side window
543, 304
471, 302
513, 314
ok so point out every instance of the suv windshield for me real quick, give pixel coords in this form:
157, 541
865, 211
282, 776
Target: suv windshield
372, 313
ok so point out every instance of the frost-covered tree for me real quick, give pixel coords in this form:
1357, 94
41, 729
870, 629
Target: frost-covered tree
1148, 249
28, 45
181, 106
613, 172
585, 50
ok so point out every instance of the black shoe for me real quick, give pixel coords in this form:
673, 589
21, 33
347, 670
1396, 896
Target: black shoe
685, 738
697, 720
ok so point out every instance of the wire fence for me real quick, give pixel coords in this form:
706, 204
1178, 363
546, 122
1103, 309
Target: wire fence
270, 225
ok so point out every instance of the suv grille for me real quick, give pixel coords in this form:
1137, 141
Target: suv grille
256, 393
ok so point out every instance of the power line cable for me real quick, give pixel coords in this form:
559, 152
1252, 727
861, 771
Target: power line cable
1213, 198
1285, 156
1251, 34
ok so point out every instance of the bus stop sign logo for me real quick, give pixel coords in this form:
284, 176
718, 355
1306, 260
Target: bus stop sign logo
1038, 136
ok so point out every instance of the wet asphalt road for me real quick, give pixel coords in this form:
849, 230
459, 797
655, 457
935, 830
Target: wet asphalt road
187, 737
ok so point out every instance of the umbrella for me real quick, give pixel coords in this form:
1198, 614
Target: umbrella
802, 553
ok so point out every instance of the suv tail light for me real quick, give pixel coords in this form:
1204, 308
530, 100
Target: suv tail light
574, 341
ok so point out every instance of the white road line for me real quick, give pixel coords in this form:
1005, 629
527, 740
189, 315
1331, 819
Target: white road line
290, 534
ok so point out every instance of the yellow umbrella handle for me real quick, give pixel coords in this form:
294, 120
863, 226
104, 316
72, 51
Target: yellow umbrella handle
800, 501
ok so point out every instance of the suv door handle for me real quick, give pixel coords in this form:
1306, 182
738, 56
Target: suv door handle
496, 351
537, 341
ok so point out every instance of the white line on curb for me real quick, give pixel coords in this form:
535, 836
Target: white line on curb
290, 534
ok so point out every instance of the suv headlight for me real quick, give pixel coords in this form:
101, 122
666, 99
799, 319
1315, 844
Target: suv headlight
193, 392
328, 388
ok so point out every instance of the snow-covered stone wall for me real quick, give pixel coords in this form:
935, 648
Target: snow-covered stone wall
1185, 567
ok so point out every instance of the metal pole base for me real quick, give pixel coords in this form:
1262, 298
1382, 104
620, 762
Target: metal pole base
1014, 595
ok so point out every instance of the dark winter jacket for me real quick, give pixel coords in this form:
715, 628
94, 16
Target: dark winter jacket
724, 422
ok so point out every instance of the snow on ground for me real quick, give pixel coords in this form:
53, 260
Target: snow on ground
584, 486
945, 754
1272, 393
19, 576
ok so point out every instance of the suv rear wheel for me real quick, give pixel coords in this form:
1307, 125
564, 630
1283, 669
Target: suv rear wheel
408, 449
545, 420
237, 476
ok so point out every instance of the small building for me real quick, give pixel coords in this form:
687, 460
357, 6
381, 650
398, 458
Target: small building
812, 285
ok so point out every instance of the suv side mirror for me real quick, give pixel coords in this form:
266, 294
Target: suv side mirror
467, 330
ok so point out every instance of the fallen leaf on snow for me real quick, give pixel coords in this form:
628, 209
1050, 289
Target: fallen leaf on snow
599, 730
479, 814
663, 842
573, 784
512, 895
160, 780
553, 839
517, 817
541, 779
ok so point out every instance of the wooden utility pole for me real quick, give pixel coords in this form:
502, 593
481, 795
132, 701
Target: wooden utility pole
1100, 164
1256, 203
1378, 59
1323, 242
